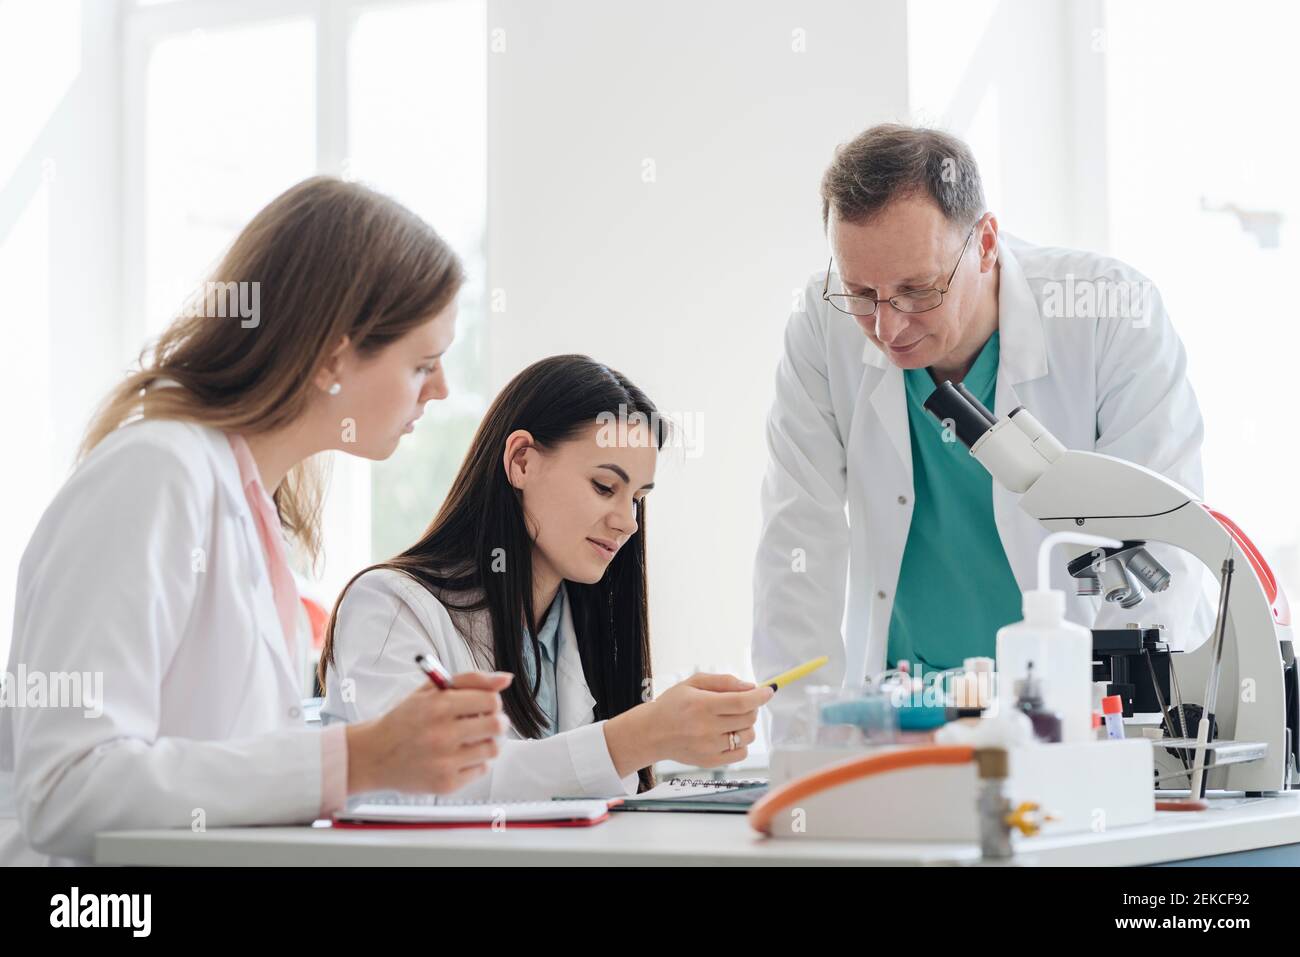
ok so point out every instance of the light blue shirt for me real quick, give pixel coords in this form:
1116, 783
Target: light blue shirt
549, 640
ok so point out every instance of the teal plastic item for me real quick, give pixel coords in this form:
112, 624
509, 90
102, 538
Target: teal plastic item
921, 717
869, 714
873, 714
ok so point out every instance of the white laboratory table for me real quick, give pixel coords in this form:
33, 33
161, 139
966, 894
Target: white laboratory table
653, 839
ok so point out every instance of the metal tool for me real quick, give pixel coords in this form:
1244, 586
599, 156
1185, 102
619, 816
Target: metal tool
1164, 709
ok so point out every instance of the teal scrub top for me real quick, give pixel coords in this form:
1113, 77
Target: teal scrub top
955, 586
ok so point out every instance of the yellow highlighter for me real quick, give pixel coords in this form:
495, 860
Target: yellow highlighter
794, 674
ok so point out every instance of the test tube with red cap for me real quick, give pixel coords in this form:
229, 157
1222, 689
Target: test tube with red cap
1112, 707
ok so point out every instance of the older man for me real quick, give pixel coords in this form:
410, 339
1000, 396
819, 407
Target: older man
863, 496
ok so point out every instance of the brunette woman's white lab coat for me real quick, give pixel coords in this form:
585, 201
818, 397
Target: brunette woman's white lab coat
387, 618
147, 568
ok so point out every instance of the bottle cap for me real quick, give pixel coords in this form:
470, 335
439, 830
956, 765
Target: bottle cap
1044, 607
1112, 704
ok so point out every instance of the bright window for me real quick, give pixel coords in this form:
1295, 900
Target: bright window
1204, 200
234, 103
417, 128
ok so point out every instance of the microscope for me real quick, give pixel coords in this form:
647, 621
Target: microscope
1238, 727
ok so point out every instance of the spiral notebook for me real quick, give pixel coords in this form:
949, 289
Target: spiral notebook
423, 810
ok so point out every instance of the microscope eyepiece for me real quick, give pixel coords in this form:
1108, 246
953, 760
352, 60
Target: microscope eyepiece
975, 403
967, 415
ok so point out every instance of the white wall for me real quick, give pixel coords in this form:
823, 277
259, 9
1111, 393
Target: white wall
59, 250
705, 259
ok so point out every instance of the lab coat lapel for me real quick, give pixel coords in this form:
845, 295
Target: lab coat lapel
889, 401
1022, 358
882, 384
269, 627
573, 698
1023, 346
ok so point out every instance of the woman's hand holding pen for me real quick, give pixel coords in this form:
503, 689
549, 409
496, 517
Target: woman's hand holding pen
433, 741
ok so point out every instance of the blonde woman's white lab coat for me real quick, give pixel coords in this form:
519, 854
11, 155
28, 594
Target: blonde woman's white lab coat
837, 495
387, 618
147, 568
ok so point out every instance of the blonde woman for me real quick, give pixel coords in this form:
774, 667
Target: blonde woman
160, 567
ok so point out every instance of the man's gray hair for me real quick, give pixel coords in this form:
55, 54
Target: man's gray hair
891, 161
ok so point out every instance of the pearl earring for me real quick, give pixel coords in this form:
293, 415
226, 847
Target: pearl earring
336, 388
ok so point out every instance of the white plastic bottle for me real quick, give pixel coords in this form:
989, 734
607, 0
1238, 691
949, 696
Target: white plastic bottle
1061, 651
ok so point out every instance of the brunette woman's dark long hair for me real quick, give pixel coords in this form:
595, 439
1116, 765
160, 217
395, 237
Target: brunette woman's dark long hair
459, 557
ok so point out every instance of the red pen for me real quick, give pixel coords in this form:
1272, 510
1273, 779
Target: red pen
437, 674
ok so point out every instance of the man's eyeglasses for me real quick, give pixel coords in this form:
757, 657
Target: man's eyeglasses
918, 300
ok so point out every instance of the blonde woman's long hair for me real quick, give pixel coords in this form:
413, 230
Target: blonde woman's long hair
330, 259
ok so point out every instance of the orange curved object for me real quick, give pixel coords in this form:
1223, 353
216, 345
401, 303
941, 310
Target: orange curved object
1276, 597
765, 809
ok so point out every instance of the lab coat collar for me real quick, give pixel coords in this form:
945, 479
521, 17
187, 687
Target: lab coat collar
574, 699
1023, 350
226, 469
222, 456
1023, 346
